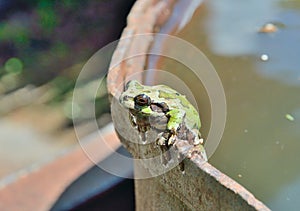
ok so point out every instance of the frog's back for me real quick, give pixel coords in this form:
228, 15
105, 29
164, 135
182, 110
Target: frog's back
179, 101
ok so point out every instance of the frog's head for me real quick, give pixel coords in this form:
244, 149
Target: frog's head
140, 103
135, 98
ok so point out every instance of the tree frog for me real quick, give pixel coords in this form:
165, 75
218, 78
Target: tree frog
165, 110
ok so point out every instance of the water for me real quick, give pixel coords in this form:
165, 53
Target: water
260, 73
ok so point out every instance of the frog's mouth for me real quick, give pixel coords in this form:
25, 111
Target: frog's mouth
159, 107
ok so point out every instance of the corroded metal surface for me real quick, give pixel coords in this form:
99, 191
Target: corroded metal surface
202, 187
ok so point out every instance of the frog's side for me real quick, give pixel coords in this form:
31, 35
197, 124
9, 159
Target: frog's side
164, 109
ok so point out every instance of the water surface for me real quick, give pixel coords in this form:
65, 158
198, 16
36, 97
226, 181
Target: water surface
261, 144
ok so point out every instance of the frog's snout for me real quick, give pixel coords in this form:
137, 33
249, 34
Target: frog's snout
126, 101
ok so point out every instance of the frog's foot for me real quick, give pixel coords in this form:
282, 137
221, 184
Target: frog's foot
172, 136
171, 140
162, 139
199, 150
198, 141
165, 140
132, 120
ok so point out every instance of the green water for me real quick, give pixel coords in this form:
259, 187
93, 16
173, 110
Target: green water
260, 147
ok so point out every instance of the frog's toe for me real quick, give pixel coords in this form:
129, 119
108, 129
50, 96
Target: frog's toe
198, 141
171, 140
199, 150
161, 140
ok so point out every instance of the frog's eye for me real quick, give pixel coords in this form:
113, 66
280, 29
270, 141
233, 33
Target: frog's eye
142, 100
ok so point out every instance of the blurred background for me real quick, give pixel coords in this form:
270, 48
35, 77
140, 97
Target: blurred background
43, 46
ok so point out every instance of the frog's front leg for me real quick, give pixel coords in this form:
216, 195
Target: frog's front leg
132, 120
176, 117
168, 137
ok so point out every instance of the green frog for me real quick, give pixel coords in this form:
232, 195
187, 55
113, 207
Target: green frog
165, 110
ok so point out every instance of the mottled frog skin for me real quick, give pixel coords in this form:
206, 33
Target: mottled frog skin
164, 109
